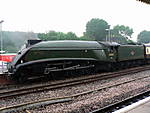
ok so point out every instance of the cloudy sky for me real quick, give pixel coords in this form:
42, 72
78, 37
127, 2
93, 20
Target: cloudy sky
72, 15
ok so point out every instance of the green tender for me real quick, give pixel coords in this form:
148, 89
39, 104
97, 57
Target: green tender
130, 52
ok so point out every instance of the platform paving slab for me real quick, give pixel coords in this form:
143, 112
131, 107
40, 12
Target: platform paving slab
145, 108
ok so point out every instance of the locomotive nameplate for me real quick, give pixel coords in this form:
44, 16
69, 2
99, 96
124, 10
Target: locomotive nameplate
111, 54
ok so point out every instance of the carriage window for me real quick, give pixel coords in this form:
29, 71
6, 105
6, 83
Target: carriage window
147, 51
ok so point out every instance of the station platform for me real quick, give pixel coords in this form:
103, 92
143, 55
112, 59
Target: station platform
144, 108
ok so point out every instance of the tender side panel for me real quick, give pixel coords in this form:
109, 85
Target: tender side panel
130, 52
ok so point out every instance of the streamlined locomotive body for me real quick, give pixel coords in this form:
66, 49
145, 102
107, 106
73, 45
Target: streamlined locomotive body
48, 57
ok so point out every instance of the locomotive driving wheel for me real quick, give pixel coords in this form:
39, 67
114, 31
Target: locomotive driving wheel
21, 77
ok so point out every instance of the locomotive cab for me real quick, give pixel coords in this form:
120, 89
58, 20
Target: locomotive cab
111, 50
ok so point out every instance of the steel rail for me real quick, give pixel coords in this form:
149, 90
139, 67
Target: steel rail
137, 69
48, 101
42, 102
39, 88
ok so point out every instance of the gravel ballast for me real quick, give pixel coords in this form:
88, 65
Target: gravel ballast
98, 99
87, 102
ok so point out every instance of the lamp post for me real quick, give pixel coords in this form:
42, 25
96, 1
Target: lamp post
1, 42
1, 35
108, 36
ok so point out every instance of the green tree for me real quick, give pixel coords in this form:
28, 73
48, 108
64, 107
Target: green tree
144, 37
13, 41
42, 36
8, 45
96, 29
60, 36
121, 30
71, 36
52, 35
85, 38
121, 34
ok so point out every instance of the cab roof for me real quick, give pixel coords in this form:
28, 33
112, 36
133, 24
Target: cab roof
109, 43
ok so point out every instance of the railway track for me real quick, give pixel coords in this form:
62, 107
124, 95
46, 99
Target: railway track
43, 87
48, 101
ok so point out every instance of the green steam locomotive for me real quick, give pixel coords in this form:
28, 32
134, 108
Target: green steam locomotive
44, 58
